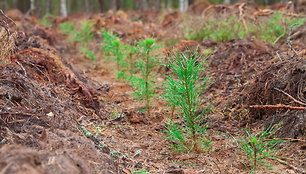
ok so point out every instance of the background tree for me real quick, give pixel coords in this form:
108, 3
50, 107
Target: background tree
69, 7
183, 5
48, 6
114, 5
86, 8
227, 1
63, 8
32, 6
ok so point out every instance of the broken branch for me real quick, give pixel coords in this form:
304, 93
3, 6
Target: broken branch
277, 107
295, 100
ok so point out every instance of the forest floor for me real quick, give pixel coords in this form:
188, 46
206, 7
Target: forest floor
63, 113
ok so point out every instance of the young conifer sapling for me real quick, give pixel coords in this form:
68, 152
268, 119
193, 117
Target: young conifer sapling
145, 83
183, 89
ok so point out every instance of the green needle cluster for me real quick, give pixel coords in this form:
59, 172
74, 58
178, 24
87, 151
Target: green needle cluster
83, 37
261, 146
183, 89
145, 84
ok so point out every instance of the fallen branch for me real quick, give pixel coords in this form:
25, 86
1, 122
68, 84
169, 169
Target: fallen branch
278, 106
16, 113
25, 72
286, 139
126, 171
295, 100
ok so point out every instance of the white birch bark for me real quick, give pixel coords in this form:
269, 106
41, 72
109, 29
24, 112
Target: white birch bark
32, 6
63, 8
114, 5
48, 6
227, 1
183, 5
144, 4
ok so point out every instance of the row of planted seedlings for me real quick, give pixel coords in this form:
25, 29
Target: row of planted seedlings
131, 58
183, 91
80, 37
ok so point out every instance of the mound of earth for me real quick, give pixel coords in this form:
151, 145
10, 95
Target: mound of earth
44, 103
281, 85
234, 64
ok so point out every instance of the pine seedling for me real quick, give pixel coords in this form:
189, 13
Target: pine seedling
69, 30
89, 54
261, 146
119, 53
145, 83
183, 89
112, 46
169, 98
141, 171
108, 42
44, 21
132, 50
83, 37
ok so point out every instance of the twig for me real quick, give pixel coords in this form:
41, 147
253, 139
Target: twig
293, 14
25, 72
289, 42
17, 113
278, 38
28, 62
7, 17
126, 171
289, 139
279, 56
277, 106
295, 100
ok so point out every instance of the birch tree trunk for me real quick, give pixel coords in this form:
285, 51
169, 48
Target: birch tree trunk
68, 3
63, 8
38, 8
227, 1
120, 4
114, 5
158, 5
140, 4
168, 5
48, 6
100, 5
92, 6
32, 7
86, 6
144, 5
4, 5
183, 5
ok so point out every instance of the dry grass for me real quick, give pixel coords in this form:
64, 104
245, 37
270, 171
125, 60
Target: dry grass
7, 39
